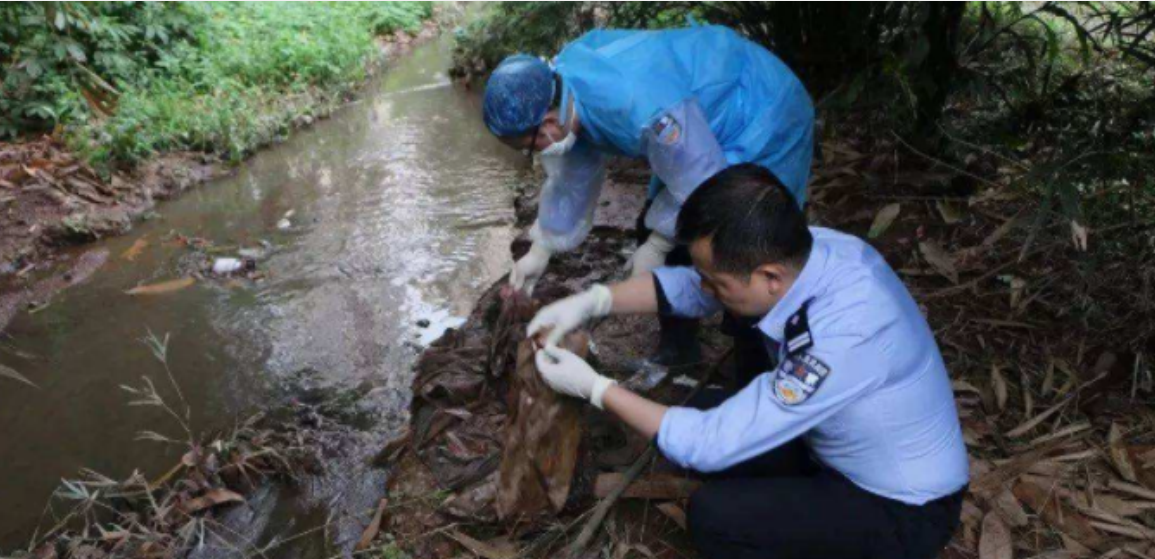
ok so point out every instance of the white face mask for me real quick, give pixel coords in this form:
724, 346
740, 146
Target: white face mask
560, 147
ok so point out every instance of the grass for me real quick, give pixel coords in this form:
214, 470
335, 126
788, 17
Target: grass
252, 71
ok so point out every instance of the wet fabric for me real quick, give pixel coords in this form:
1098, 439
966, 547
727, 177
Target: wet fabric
691, 101
868, 389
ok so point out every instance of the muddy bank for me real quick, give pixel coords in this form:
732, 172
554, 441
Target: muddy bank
1054, 406
51, 200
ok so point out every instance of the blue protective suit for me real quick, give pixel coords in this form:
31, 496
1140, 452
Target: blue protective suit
691, 101
862, 381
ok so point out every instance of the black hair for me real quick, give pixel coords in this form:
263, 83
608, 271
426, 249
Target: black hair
750, 219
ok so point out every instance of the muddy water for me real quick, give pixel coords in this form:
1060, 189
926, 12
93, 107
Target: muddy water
400, 213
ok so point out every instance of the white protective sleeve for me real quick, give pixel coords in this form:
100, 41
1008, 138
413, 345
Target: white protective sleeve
572, 186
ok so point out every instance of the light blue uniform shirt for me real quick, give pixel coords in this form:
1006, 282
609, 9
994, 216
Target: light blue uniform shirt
690, 101
871, 395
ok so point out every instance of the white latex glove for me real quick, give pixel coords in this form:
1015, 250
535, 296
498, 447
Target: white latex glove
569, 313
529, 269
652, 254
569, 374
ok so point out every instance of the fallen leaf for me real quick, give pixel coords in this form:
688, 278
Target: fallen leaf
211, 499
949, 212
134, 250
1119, 456
495, 549
9, 372
964, 386
1079, 235
1000, 232
883, 219
1058, 514
373, 528
1000, 386
162, 287
675, 513
1029, 424
995, 542
1010, 510
1028, 399
939, 260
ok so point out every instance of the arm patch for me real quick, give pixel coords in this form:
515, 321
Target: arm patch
798, 377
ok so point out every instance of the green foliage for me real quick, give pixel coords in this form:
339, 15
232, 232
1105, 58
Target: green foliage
131, 79
541, 28
56, 55
1062, 87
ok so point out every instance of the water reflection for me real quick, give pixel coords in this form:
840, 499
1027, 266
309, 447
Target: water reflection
400, 211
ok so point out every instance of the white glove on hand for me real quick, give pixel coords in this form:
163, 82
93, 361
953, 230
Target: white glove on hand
569, 313
529, 269
569, 374
652, 254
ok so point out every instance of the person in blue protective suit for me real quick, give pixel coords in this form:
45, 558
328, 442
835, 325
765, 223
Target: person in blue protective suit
848, 443
690, 101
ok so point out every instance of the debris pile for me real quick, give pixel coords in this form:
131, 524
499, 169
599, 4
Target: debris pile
1047, 341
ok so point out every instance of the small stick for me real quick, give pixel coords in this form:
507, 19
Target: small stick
603, 508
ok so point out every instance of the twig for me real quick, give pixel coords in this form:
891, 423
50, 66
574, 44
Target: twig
989, 274
603, 508
944, 163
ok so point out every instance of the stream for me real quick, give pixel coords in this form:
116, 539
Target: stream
399, 214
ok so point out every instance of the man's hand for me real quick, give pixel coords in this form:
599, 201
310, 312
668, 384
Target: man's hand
529, 269
651, 254
567, 314
571, 375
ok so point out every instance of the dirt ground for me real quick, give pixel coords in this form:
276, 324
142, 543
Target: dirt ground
1049, 361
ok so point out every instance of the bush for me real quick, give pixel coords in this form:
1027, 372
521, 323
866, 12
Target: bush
128, 80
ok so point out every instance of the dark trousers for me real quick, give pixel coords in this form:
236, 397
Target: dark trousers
784, 505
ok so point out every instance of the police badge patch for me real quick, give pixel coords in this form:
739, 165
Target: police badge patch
798, 377
667, 130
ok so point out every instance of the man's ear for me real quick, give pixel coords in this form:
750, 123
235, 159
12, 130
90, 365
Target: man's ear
773, 277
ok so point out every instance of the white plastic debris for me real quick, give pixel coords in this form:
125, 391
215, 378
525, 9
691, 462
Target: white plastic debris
225, 266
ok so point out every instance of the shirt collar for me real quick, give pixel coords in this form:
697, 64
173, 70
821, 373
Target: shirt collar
805, 287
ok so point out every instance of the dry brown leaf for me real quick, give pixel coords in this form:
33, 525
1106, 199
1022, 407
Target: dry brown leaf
1131, 489
1120, 458
964, 386
373, 528
133, 251
1010, 509
1049, 378
995, 542
1000, 232
883, 219
1000, 386
1058, 514
950, 212
938, 258
9, 372
211, 498
675, 513
494, 549
162, 287
1030, 424
1028, 399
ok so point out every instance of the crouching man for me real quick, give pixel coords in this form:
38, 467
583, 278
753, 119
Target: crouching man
847, 443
